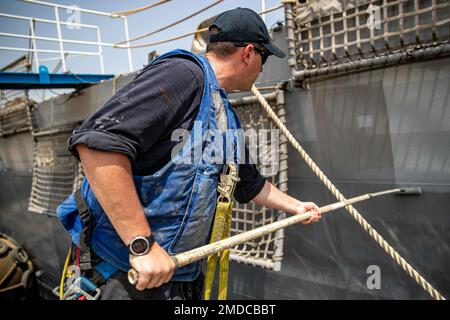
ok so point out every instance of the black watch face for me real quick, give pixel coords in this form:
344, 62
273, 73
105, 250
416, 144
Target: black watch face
139, 245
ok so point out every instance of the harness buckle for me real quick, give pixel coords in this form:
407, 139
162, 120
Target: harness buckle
82, 288
228, 180
85, 215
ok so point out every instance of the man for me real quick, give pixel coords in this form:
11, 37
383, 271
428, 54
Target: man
146, 205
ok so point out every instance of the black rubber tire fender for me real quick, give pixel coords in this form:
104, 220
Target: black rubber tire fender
26, 279
19, 255
3, 247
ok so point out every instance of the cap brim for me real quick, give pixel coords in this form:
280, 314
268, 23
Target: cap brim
273, 49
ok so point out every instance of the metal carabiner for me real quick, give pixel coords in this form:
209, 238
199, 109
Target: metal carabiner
228, 180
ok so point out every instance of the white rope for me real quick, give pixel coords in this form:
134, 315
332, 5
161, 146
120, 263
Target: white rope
353, 212
133, 11
159, 42
120, 45
271, 9
170, 25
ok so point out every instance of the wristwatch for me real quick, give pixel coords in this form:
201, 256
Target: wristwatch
140, 245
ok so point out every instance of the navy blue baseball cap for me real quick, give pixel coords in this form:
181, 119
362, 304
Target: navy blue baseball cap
243, 25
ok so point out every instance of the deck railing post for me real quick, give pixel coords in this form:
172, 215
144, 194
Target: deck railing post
61, 44
127, 37
33, 43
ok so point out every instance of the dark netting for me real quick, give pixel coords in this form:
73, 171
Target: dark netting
271, 154
333, 32
16, 117
56, 173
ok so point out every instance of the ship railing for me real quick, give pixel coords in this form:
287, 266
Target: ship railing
63, 53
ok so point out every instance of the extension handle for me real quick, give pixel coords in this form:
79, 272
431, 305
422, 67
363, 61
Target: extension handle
190, 256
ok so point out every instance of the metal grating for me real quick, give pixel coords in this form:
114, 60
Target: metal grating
16, 117
55, 171
267, 251
327, 34
22, 64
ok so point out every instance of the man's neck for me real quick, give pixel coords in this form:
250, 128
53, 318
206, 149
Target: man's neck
224, 71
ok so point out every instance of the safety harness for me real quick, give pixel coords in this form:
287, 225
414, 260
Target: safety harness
221, 229
82, 280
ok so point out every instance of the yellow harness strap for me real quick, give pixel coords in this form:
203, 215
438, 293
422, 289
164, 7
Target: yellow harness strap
221, 230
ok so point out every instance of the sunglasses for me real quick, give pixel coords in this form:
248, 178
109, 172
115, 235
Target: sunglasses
264, 54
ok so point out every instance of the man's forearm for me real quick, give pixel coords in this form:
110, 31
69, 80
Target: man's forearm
110, 177
272, 197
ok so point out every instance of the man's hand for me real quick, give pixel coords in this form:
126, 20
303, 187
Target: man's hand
272, 197
155, 268
303, 207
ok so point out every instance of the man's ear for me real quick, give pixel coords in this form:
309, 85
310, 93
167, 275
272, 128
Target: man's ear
247, 54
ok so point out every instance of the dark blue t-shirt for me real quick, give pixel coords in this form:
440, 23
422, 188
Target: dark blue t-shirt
139, 119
